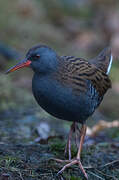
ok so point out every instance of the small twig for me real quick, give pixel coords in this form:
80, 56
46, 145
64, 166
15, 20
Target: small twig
62, 178
116, 163
96, 175
105, 174
20, 175
88, 167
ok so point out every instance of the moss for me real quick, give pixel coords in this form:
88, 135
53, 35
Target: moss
58, 147
75, 178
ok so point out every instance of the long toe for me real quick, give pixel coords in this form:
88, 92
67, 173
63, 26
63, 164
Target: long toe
61, 160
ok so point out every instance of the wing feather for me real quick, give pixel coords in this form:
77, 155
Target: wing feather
75, 72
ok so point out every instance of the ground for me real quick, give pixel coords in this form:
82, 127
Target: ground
29, 162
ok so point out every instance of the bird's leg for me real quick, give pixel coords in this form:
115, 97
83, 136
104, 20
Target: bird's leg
68, 145
77, 160
77, 135
82, 136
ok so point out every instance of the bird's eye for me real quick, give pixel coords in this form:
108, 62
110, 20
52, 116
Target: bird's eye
37, 55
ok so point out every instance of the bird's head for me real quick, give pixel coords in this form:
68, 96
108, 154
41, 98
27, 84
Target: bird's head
41, 59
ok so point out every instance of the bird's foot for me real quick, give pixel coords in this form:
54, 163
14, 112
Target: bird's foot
70, 163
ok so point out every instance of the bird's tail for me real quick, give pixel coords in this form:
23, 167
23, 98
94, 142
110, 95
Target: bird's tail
103, 60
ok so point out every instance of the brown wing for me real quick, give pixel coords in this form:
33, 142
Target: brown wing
74, 72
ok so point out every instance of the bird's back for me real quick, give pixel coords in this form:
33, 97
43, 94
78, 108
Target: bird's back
76, 72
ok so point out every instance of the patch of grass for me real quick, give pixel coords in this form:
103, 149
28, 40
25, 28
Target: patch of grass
9, 161
74, 178
58, 148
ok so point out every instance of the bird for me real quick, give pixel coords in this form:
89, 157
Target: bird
68, 88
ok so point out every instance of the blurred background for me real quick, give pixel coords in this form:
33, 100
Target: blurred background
72, 27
